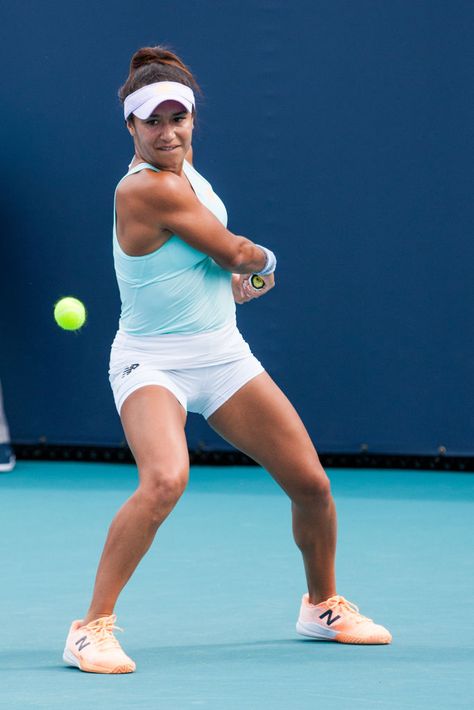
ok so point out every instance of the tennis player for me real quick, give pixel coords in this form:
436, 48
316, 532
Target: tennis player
180, 272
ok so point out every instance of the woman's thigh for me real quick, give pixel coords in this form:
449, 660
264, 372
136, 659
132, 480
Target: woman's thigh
153, 421
260, 421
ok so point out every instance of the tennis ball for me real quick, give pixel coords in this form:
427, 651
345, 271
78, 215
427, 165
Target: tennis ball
70, 313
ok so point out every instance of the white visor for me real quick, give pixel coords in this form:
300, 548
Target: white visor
143, 102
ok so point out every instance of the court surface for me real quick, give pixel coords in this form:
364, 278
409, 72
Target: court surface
210, 614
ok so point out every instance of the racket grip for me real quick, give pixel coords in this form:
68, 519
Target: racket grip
257, 282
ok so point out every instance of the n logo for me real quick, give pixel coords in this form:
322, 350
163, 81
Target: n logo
82, 643
130, 369
330, 620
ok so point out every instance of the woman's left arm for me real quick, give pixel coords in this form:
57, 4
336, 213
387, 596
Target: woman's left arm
241, 287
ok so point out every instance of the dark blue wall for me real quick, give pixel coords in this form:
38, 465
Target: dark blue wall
339, 133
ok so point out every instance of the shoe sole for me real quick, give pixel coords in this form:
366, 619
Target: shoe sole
71, 660
7, 467
315, 631
318, 633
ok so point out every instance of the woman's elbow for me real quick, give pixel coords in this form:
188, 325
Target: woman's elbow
240, 259
235, 263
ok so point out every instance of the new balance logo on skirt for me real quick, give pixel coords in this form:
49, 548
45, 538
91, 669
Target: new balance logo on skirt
130, 369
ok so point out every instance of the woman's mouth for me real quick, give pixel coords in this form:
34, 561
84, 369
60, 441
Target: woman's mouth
168, 148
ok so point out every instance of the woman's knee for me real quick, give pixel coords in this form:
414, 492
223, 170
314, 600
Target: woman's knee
162, 487
314, 488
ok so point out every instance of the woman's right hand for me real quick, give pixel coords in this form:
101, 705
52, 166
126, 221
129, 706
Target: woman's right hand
243, 291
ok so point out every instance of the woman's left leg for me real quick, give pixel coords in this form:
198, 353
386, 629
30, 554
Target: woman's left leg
260, 421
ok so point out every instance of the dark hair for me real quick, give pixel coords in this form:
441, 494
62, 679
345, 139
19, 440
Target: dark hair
152, 64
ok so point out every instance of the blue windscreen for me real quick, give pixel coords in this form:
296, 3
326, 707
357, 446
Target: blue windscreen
338, 133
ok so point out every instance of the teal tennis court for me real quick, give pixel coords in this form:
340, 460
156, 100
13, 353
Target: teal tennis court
210, 613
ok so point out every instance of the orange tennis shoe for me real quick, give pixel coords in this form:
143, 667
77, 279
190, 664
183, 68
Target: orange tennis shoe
93, 648
336, 619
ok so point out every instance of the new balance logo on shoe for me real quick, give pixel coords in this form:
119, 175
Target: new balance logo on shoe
81, 643
130, 369
330, 620
338, 620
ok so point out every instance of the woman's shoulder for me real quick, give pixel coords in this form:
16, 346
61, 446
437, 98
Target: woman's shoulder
147, 180
150, 186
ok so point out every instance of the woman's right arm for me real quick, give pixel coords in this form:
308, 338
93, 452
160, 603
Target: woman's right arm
159, 203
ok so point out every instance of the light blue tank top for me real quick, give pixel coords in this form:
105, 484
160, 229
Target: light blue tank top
175, 289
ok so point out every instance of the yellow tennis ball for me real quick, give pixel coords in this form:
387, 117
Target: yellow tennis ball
70, 313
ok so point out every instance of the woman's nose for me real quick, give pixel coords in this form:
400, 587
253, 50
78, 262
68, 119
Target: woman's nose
167, 132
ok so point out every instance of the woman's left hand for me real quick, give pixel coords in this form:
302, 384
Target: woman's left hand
243, 290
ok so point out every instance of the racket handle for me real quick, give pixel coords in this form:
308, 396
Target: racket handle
257, 282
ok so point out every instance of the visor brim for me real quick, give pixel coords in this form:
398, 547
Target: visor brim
149, 106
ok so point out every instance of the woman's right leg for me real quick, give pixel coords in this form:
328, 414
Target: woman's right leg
153, 421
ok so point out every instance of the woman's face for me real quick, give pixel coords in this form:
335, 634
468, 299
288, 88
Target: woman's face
164, 138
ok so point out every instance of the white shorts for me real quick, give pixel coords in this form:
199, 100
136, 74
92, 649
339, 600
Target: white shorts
202, 370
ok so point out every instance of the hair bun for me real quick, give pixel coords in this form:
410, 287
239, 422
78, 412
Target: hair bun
153, 55
152, 64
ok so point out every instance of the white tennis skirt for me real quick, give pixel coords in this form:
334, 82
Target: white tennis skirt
202, 370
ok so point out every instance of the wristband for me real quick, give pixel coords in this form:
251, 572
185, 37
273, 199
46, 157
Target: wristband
270, 264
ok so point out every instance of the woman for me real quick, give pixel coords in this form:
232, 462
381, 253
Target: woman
180, 272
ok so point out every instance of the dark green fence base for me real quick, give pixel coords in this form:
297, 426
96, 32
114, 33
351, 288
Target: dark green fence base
122, 454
